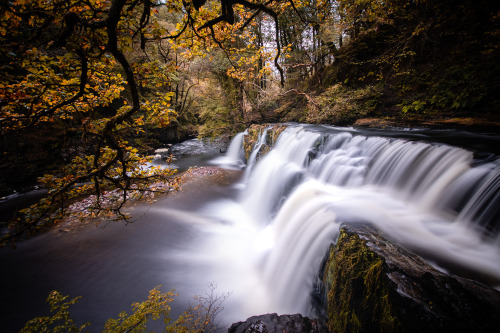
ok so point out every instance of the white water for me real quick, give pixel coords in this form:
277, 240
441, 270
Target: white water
234, 157
263, 239
426, 196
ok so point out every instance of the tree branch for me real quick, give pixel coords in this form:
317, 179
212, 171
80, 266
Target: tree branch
309, 98
228, 16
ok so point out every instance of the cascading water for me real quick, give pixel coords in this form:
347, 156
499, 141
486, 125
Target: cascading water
431, 198
234, 157
264, 237
255, 152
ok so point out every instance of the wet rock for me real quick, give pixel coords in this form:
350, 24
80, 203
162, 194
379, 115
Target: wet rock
255, 130
164, 152
374, 285
272, 323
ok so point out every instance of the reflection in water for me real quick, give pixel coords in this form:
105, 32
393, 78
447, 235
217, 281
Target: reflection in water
111, 266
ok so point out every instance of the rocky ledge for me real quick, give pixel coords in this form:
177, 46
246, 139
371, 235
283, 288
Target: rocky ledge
254, 133
272, 323
374, 285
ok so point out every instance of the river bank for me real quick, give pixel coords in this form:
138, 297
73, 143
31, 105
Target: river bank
473, 124
189, 180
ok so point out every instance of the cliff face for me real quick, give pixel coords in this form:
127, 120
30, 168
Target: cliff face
374, 285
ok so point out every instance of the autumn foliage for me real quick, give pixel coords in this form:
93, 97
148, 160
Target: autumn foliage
104, 72
201, 317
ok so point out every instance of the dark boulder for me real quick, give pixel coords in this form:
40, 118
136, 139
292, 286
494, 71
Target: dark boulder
374, 285
272, 323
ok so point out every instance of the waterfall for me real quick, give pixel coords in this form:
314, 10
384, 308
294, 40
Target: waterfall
235, 150
255, 151
433, 198
272, 179
263, 237
235, 155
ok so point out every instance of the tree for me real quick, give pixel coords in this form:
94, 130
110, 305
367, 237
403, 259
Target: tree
201, 317
87, 67
63, 62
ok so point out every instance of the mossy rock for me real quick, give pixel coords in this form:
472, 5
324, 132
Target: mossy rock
358, 295
374, 285
254, 131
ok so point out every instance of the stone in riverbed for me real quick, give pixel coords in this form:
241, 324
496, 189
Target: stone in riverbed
272, 323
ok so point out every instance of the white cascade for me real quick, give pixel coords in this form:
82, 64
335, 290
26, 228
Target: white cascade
235, 155
429, 197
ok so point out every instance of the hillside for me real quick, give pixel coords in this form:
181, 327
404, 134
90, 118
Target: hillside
432, 63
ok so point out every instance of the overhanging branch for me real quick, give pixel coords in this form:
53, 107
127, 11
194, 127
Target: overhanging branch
228, 16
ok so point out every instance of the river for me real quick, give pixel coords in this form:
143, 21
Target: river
261, 234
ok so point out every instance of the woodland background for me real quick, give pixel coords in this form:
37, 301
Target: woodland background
89, 88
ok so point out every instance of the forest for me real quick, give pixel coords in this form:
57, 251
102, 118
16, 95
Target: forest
90, 87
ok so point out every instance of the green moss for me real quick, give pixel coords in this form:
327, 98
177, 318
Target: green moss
343, 105
251, 139
358, 290
274, 133
292, 108
253, 135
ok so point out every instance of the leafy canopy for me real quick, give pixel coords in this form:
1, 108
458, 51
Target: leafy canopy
76, 65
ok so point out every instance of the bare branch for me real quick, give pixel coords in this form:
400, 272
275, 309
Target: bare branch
309, 98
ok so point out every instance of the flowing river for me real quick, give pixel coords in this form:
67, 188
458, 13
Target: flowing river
262, 233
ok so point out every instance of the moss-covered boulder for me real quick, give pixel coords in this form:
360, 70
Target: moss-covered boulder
254, 133
374, 285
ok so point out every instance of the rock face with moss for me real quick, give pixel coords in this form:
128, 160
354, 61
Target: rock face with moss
374, 285
254, 133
